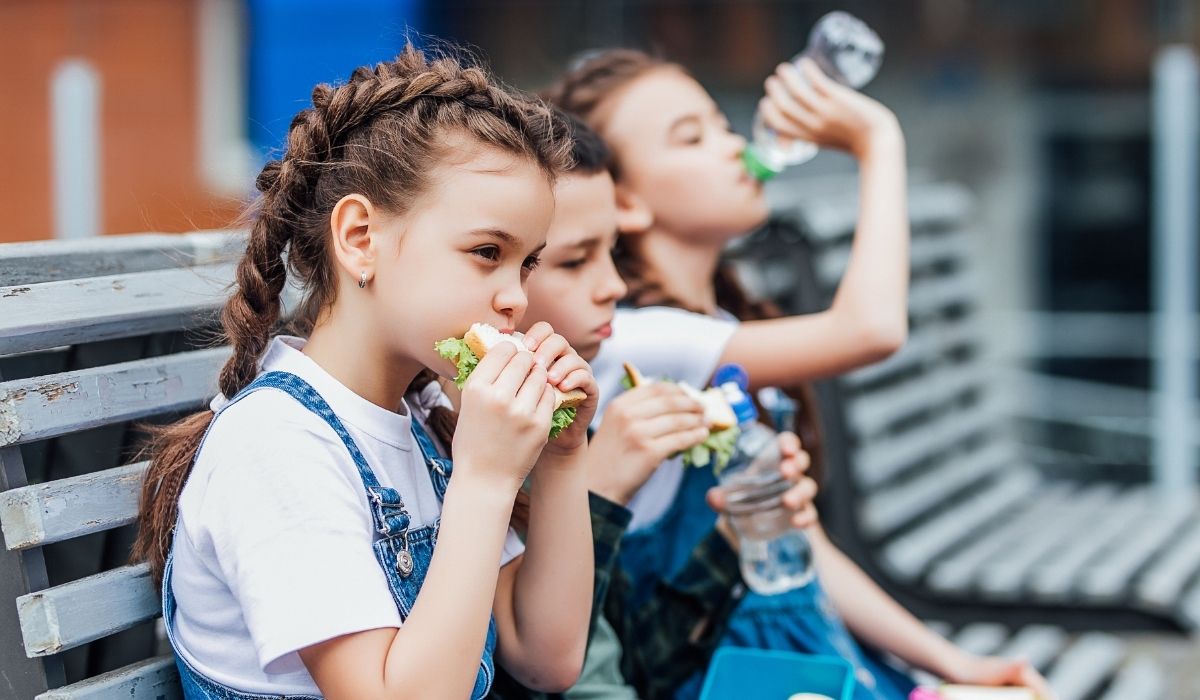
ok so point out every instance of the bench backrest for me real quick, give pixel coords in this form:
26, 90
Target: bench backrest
93, 335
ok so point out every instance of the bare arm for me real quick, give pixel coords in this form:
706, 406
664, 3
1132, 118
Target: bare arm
873, 616
868, 319
544, 599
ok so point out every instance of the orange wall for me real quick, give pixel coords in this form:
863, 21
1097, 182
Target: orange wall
144, 52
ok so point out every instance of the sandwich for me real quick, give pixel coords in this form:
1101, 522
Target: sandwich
718, 448
467, 351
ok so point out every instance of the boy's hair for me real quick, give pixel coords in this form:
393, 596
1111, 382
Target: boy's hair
380, 134
589, 153
582, 90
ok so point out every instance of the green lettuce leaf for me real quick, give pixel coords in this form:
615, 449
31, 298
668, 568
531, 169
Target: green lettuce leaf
562, 418
717, 450
456, 350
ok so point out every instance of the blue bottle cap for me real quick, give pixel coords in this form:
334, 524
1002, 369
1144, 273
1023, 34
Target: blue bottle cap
735, 383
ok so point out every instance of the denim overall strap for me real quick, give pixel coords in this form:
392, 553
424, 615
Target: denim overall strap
440, 468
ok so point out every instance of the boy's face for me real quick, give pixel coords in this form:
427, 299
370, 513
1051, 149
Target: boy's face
577, 287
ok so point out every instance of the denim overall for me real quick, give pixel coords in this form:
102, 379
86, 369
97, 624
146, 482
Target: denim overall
801, 620
403, 553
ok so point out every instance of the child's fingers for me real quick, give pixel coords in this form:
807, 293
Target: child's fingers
514, 373
579, 379
530, 392
544, 411
716, 499
796, 86
778, 121
801, 495
537, 334
568, 361
806, 518
822, 84
681, 440
669, 423
789, 444
662, 405
551, 350
493, 363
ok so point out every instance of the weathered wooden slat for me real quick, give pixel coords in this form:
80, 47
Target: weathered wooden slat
933, 390
909, 555
1108, 580
46, 315
1005, 575
893, 507
43, 407
1140, 679
925, 252
926, 344
1163, 581
150, 679
63, 617
52, 261
879, 460
982, 638
36, 515
1055, 579
1086, 665
955, 573
1039, 644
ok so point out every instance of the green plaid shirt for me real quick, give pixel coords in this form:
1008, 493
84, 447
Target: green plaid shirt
672, 635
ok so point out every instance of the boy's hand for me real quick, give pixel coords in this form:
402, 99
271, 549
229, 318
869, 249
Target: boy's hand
798, 499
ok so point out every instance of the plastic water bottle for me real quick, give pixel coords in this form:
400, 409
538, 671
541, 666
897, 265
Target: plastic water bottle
846, 50
774, 556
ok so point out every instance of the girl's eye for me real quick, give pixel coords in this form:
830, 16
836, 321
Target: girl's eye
487, 252
573, 264
531, 263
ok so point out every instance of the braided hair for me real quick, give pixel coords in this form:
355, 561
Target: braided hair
376, 135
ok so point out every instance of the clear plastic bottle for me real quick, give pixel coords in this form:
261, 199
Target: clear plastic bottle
846, 50
774, 556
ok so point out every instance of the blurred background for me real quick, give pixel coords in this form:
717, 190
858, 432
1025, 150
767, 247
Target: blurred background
1057, 137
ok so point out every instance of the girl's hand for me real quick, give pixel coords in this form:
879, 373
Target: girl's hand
642, 427
504, 417
566, 371
798, 499
808, 105
997, 671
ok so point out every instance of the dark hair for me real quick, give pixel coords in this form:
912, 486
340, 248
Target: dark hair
589, 153
378, 135
582, 90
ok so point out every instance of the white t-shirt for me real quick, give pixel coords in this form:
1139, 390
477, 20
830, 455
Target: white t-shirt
660, 342
273, 547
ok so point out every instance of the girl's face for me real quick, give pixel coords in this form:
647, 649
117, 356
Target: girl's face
465, 251
577, 287
678, 160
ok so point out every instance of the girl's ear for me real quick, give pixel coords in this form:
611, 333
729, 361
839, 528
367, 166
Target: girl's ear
633, 214
354, 244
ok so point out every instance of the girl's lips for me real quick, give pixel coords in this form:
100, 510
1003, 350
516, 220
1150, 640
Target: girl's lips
604, 331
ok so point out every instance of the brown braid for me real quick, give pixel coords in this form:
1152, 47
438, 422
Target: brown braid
378, 135
583, 90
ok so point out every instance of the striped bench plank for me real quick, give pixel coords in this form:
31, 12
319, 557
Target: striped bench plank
1054, 580
36, 515
149, 679
48, 406
832, 214
75, 613
880, 460
1189, 607
925, 252
891, 508
46, 315
956, 573
1086, 665
1107, 580
1163, 581
910, 554
935, 389
1040, 644
1140, 679
53, 261
1005, 575
935, 295
929, 340
982, 638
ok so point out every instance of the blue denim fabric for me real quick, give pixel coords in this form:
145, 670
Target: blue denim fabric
402, 552
801, 620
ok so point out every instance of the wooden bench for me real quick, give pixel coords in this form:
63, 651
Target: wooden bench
929, 487
94, 335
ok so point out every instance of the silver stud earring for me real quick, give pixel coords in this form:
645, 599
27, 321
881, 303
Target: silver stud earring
362, 280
